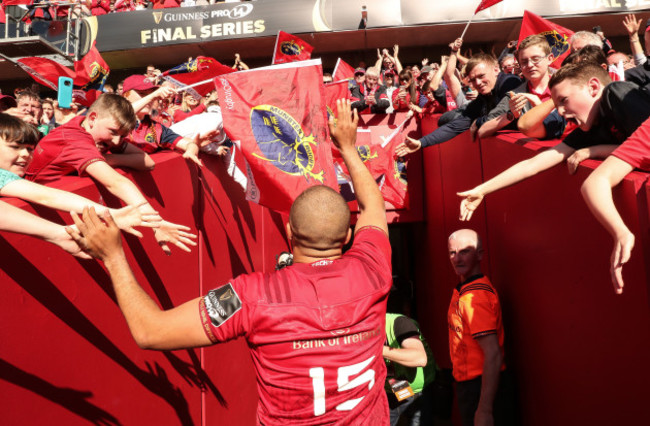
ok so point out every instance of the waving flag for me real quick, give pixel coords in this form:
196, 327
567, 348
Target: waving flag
284, 139
88, 77
45, 71
289, 48
200, 69
485, 4
556, 35
91, 71
342, 71
395, 187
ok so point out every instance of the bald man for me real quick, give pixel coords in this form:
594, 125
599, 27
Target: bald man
315, 329
475, 334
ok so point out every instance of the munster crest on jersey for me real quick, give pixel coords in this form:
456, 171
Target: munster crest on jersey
283, 142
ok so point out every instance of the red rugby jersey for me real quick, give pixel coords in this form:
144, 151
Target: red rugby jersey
315, 332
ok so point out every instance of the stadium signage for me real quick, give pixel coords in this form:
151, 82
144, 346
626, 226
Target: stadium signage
264, 18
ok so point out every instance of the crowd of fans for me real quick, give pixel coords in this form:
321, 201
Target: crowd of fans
518, 90
58, 9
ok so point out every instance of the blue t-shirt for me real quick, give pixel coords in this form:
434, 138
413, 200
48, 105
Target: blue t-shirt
7, 177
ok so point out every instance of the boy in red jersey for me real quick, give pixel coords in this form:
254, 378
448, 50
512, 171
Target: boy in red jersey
78, 147
315, 329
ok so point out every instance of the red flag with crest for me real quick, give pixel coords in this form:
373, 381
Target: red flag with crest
201, 68
284, 139
289, 48
485, 4
91, 71
88, 77
556, 35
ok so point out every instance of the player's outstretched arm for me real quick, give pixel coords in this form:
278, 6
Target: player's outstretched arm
151, 327
520, 171
597, 192
344, 135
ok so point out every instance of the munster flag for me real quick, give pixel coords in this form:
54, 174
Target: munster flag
91, 71
199, 69
289, 48
557, 36
485, 4
342, 71
88, 77
277, 117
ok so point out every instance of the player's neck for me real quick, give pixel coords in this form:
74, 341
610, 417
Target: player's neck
306, 255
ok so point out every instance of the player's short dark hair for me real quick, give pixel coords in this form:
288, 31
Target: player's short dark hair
480, 58
117, 107
13, 129
580, 74
319, 218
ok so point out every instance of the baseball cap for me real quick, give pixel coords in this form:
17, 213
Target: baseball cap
647, 25
360, 71
389, 72
425, 70
137, 82
7, 102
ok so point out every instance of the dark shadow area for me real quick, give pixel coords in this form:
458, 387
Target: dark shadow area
154, 378
238, 202
145, 182
75, 401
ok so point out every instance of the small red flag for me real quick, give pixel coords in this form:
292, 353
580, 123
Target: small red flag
485, 4
556, 35
342, 71
289, 48
334, 91
199, 69
395, 186
284, 139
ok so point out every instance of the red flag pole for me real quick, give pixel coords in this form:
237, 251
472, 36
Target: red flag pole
180, 89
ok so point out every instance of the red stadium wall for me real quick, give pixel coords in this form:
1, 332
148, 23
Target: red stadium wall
66, 356
578, 351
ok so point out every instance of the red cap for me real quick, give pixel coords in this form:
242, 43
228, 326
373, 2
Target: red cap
138, 82
360, 71
7, 102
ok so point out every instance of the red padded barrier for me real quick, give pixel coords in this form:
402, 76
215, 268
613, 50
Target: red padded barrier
577, 350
